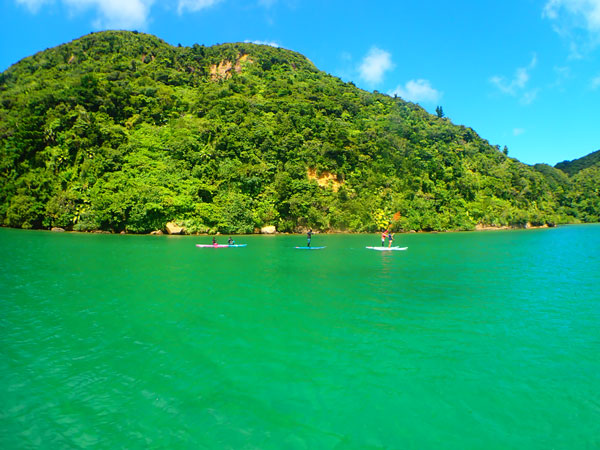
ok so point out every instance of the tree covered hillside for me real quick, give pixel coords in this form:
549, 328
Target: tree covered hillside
577, 165
121, 131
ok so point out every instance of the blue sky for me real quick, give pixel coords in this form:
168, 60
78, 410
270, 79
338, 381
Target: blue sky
522, 73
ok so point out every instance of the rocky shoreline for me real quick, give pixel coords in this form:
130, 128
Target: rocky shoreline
172, 229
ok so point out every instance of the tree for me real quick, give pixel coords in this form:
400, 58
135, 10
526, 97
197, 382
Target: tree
121, 131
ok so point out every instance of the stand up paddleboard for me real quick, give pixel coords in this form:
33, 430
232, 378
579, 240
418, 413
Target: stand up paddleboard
384, 249
220, 245
309, 248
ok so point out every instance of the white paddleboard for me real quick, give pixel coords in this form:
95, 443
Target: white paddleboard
386, 249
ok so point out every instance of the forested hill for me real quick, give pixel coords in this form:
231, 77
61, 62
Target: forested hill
121, 131
577, 165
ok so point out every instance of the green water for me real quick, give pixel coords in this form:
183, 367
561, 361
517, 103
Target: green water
464, 341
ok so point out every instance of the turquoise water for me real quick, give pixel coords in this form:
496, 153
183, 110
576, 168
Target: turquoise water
466, 340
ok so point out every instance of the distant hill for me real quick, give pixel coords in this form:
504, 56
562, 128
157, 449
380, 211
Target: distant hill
577, 165
121, 131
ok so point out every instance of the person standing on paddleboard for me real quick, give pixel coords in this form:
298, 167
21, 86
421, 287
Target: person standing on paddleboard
214, 241
390, 239
308, 237
384, 234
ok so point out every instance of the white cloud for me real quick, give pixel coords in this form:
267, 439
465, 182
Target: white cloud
517, 86
375, 64
510, 87
194, 5
518, 131
582, 13
577, 21
518, 83
595, 82
269, 43
33, 5
124, 14
418, 91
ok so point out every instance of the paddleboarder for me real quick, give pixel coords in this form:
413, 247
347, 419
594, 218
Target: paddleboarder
390, 238
214, 241
308, 237
384, 234
230, 241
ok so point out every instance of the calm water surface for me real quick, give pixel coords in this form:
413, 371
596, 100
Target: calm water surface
466, 340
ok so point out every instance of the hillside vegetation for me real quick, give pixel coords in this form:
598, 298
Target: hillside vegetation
577, 165
121, 131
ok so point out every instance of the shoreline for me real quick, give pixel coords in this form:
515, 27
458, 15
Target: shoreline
478, 228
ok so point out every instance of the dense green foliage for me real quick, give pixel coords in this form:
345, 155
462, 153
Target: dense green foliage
577, 165
121, 131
